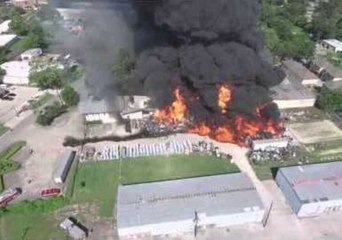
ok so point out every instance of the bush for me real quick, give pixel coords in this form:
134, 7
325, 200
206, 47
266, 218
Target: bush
49, 113
70, 96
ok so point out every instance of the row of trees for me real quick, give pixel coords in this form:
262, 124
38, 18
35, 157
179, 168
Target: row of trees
327, 20
285, 29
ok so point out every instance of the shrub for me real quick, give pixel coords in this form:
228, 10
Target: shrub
49, 113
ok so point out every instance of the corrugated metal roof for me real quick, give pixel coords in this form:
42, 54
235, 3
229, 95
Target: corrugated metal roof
150, 203
298, 70
315, 182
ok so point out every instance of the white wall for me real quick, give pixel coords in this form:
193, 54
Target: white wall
185, 226
317, 208
135, 115
303, 103
15, 80
312, 82
103, 117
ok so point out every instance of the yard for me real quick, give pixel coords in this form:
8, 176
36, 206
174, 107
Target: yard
37, 226
97, 182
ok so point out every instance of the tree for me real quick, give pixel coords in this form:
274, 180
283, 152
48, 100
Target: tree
70, 96
31, 41
3, 53
46, 116
330, 101
285, 29
124, 64
17, 25
50, 78
327, 20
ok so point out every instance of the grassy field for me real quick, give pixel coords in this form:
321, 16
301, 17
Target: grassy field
3, 129
35, 226
31, 220
97, 182
6, 163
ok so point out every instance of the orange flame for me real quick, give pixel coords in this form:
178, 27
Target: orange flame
174, 113
234, 130
224, 97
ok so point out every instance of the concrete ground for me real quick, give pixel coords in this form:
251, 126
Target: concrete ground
9, 109
37, 169
314, 132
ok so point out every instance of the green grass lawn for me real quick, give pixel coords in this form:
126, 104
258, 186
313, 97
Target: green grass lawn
97, 182
3, 129
17, 48
6, 163
35, 226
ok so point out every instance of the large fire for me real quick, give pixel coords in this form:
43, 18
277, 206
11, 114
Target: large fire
234, 130
224, 98
174, 113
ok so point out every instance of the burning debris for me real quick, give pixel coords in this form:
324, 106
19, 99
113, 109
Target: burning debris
205, 70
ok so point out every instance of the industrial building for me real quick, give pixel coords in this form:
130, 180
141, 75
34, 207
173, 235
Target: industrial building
332, 45
17, 72
292, 94
264, 144
97, 110
65, 162
7, 40
313, 189
135, 107
187, 205
300, 73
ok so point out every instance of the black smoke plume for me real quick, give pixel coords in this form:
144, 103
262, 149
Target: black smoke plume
198, 44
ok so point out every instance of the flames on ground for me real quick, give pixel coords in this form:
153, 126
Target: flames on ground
232, 129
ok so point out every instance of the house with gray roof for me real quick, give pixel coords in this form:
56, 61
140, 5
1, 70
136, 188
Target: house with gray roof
300, 73
186, 205
311, 190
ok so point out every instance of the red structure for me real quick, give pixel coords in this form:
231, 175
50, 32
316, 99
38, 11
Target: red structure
8, 196
50, 192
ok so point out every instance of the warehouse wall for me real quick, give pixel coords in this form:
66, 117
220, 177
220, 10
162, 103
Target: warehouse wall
317, 208
103, 117
303, 103
235, 219
288, 192
185, 226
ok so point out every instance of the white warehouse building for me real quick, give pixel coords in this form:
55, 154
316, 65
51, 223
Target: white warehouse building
186, 205
264, 144
311, 190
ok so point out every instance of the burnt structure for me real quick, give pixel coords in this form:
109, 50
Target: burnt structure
196, 45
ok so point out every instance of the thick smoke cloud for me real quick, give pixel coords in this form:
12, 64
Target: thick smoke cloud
212, 42
96, 47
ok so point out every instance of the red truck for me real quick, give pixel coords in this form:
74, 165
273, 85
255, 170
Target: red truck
50, 192
9, 195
